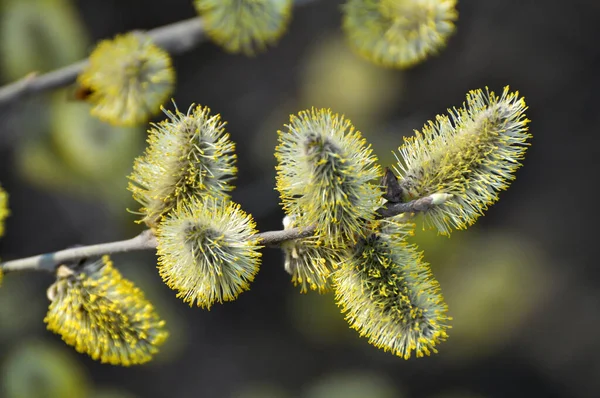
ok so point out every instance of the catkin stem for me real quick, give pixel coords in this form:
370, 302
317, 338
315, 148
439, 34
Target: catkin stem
147, 241
176, 38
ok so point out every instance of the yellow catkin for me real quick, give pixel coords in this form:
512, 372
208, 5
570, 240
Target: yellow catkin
471, 154
398, 33
389, 295
188, 155
207, 251
104, 315
326, 176
309, 263
4, 212
129, 78
245, 26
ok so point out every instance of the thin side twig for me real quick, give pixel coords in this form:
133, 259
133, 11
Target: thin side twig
147, 241
176, 38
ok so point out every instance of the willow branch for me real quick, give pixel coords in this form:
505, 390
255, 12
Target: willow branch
147, 241
176, 38
49, 261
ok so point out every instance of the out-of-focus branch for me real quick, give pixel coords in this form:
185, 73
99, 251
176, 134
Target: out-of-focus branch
146, 240
175, 38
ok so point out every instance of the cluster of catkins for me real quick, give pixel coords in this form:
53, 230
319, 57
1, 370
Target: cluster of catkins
329, 180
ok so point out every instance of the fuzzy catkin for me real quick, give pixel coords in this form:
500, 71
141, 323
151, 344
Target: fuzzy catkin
389, 295
309, 263
471, 154
128, 78
246, 26
189, 155
325, 176
207, 251
398, 33
104, 315
4, 212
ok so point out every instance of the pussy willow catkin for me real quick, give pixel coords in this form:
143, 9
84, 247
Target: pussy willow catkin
325, 176
4, 212
398, 33
207, 252
104, 315
389, 295
471, 154
246, 26
128, 77
309, 262
189, 154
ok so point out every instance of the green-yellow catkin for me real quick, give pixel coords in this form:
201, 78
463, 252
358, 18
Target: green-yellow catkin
4, 212
129, 78
207, 251
189, 154
398, 33
389, 295
325, 176
471, 154
246, 26
309, 262
102, 314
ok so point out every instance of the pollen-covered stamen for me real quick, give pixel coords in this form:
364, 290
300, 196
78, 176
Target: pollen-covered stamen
389, 294
471, 154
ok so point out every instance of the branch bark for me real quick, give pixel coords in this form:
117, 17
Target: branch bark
147, 241
176, 38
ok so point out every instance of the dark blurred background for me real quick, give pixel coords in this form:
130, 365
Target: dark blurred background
522, 284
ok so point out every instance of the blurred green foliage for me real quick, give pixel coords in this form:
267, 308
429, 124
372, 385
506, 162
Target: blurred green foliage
261, 390
14, 321
81, 155
36, 369
62, 148
352, 385
318, 318
39, 35
334, 77
491, 280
